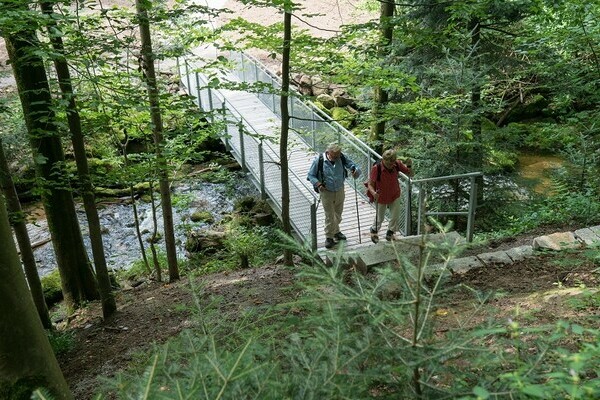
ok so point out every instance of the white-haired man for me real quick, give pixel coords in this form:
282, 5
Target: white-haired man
327, 174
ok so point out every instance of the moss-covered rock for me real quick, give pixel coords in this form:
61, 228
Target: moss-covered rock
342, 116
51, 288
202, 216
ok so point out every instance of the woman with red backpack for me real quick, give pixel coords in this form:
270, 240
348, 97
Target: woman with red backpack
384, 187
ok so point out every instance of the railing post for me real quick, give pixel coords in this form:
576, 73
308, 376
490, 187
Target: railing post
472, 206
210, 106
226, 135
261, 169
198, 90
313, 225
421, 211
187, 78
408, 209
242, 149
314, 131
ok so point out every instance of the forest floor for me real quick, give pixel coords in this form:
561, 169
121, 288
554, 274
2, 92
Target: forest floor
543, 285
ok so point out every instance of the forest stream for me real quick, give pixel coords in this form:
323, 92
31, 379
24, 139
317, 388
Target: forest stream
121, 245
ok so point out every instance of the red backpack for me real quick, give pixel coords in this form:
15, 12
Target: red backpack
378, 164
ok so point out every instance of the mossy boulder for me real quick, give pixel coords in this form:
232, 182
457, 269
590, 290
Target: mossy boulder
51, 288
342, 116
202, 216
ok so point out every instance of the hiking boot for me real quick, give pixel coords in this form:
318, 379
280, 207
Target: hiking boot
374, 236
389, 236
329, 243
339, 236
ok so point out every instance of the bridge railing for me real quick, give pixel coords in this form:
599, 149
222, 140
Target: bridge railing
257, 155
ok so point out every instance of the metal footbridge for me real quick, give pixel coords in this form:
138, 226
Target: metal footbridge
251, 131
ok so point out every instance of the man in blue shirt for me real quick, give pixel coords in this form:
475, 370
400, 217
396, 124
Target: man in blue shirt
330, 184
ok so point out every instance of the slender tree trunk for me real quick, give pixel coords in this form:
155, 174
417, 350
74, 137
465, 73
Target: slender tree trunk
17, 220
153, 238
157, 127
77, 278
136, 217
381, 96
109, 305
285, 127
26, 358
477, 155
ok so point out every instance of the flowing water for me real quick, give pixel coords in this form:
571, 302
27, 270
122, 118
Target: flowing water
120, 241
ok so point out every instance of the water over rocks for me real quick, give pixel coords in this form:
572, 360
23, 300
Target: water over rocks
120, 241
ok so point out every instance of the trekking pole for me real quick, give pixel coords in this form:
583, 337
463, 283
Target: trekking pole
357, 213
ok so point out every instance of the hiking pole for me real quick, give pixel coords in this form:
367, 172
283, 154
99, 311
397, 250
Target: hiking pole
357, 213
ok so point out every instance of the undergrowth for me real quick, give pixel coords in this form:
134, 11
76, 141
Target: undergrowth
355, 337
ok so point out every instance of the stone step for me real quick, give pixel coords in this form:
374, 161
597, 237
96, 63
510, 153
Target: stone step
366, 255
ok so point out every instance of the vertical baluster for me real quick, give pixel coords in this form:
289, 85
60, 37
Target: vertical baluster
472, 205
199, 98
421, 212
242, 149
187, 78
313, 225
261, 169
408, 208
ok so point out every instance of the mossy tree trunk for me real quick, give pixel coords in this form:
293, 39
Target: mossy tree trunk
381, 96
17, 220
109, 305
26, 357
77, 278
142, 7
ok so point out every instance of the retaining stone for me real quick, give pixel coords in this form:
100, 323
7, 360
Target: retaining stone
496, 257
462, 265
588, 236
556, 241
520, 253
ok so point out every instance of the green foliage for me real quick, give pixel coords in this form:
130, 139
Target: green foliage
51, 288
245, 243
354, 337
61, 341
561, 208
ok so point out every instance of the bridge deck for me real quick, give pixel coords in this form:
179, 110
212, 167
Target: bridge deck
258, 117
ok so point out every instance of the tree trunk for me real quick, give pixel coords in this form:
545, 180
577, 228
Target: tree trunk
136, 217
27, 360
285, 127
477, 155
17, 220
381, 96
77, 278
157, 127
109, 305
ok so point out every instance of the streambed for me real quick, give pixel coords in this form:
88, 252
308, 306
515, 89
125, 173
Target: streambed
120, 241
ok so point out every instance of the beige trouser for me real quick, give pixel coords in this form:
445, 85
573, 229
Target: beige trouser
395, 208
333, 205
